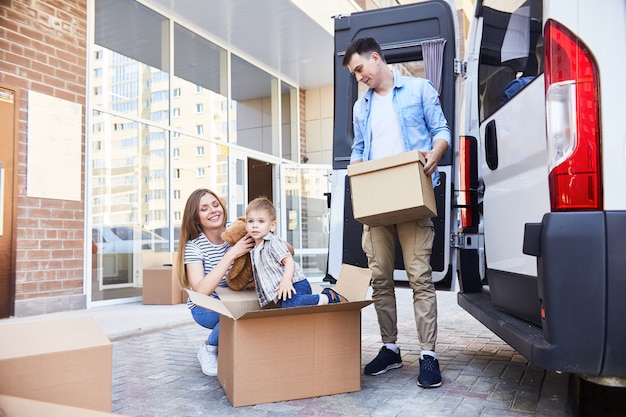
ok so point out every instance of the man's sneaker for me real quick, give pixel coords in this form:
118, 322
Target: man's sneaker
207, 356
430, 376
385, 360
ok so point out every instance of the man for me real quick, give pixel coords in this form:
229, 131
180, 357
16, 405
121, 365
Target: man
398, 114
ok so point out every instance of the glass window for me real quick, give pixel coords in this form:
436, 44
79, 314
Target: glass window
288, 121
214, 163
511, 51
134, 60
255, 109
127, 201
307, 217
200, 69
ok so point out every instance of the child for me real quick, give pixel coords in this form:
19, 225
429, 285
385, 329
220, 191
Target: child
277, 276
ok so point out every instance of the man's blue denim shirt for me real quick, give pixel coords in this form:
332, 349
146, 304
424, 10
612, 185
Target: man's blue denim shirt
422, 121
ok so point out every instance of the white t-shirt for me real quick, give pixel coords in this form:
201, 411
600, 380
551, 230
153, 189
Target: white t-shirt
386, 133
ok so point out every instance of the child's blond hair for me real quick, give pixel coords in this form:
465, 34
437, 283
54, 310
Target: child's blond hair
262, 204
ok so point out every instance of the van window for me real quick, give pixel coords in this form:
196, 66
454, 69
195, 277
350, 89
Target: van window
511, 51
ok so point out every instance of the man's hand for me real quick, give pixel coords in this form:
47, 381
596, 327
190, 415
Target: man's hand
432, 157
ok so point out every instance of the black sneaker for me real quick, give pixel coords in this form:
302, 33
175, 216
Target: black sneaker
430, 376
385, 360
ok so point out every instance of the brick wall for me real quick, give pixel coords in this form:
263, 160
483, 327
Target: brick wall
43, 49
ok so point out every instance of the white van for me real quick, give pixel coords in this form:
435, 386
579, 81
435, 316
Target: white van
532, 202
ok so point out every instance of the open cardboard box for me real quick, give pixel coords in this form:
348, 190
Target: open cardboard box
391, 190
269, 355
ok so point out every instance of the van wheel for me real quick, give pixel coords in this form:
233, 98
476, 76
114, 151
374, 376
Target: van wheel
588, 399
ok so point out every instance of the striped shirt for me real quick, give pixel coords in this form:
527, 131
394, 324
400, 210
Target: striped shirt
201, 250
268, 269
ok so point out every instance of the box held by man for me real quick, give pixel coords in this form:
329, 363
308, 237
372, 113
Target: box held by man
391, 190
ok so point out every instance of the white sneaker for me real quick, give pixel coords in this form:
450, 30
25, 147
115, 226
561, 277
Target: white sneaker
207, 356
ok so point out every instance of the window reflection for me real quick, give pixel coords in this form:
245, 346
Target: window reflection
129, 68
129, 200
307, 217
200, 86
289, 111
255, 110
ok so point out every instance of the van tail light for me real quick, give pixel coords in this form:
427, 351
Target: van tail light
572, 121
468, 182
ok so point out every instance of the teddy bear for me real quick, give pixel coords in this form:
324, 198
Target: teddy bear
240, 275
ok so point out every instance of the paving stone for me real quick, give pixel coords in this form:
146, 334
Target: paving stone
157, 374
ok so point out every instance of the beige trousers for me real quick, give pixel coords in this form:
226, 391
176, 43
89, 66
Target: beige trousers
416, 241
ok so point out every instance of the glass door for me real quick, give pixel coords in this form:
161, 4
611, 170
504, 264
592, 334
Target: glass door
306, 216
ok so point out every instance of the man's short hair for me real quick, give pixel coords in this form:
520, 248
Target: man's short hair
362, 46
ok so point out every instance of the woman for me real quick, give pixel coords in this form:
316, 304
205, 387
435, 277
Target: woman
203, 260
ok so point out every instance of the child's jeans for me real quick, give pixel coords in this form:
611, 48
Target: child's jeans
303, 297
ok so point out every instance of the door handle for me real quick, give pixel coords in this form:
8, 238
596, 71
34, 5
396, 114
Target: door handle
491, 145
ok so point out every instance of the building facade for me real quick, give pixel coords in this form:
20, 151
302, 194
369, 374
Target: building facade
114, 111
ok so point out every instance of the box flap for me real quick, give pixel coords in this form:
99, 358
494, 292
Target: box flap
387, 162
210, 303
239, 302
233, 304
294, 311
353, 282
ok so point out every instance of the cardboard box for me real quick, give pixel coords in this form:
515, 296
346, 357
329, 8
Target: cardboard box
269, 355
391, 190
62, 360
155, 259
22, 407
160, 286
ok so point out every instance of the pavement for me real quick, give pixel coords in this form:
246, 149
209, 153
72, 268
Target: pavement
156, 373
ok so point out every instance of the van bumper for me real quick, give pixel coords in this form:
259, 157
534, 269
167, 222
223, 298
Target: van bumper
581, 276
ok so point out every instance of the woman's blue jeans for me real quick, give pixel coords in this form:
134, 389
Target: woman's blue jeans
210, 320
304, 296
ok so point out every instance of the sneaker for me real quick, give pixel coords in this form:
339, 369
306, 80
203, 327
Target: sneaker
207, 356
333, 296
385, 360
430, 376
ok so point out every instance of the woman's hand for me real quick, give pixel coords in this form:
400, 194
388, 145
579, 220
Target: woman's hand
243, 246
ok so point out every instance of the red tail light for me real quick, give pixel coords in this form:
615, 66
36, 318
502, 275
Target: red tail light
573, 122
468, 181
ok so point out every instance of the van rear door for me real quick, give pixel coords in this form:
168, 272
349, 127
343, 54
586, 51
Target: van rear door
507, 63
403, 32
